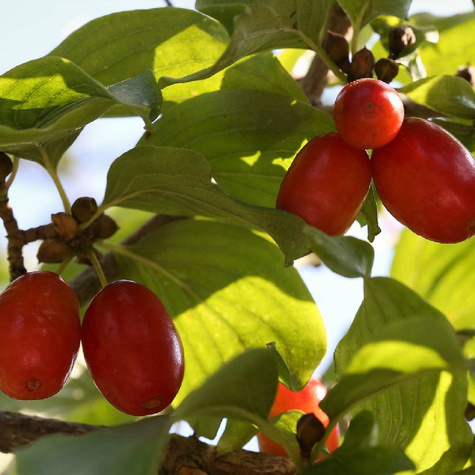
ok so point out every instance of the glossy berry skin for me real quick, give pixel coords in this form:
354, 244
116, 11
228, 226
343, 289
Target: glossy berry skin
306, 400
39, 335
132, 348
368, 113
426, 179
326, 184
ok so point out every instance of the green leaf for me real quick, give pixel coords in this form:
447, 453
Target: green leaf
134, 449
244, 389
168, 41
249, 137
139, 95
177, 182
440, 273
455, 47
361, 454
345, 255
227, 291
46, 102
414, 414
261, 26
361, 12
236, 434
448, 95
368, 215
382, 460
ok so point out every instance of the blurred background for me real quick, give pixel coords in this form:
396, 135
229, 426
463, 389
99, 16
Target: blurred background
32, 29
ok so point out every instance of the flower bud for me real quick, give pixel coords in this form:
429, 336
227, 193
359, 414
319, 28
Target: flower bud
52, 251
386, 69
400, 38
105, 227
83, 209
337, 49
310, 430
65, 225
362, 65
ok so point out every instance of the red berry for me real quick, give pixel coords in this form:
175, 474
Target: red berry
426, 179
132, 348
39, 337
326, 184
368, 113
306, 400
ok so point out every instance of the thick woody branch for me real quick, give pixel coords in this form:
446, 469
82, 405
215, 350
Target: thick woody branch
184, 455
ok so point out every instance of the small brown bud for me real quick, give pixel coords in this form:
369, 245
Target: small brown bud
52, 251
105, 227
362, 65
386, 69
337, 49
467, 73
65, 225
469, 412
6, 166
310, 430
400, 38
84, 208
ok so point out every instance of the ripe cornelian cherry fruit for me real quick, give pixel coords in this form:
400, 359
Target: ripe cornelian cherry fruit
368, 113
132, 348
426, 179
39, 336
307, 400
326, 184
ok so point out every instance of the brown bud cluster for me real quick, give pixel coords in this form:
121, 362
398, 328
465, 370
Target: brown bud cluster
467, 73
70, 239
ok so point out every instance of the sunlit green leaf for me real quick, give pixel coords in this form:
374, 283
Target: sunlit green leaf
414, 414
444, 94
455, 47
46, 102
227, 291
440, 273
260, 26
249, 137
177, 182
361, 452
169, 41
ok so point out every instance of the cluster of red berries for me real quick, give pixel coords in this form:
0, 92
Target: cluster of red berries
130, 344
423, 175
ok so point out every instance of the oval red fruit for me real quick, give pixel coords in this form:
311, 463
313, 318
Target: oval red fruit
132, 348
426, 179
326, 184
39, 337
307, 400
368, 113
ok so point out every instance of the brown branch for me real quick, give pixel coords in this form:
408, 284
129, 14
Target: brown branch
314, 82
14, 238
184, 455
18, 430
